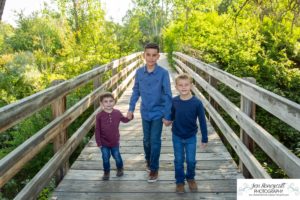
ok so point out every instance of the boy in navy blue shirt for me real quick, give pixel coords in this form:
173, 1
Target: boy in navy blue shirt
152, 84
186, 108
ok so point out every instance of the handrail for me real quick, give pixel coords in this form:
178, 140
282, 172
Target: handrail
15, 112
15, 160
286, 110
278, 152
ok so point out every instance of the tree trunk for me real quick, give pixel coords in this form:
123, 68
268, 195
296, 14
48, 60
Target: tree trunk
75, 14
2, 4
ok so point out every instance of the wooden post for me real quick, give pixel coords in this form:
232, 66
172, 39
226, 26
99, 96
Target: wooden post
114, 71
248, 107
213, 82
97, 83
58, 108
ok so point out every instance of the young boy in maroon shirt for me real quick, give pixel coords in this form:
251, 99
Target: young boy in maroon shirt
107, 134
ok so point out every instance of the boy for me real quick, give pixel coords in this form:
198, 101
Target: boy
107, 134
152, 84
186, 108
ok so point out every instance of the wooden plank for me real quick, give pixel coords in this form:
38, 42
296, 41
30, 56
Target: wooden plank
58, 107
94, 175
139, 196
249, 108
164, 149
163, 164
169, 156
286, 110
132, 142
228, 185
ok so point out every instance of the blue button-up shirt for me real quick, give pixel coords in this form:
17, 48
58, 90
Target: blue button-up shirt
155, 91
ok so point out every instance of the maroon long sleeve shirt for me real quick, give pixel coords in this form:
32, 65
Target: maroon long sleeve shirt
107, 128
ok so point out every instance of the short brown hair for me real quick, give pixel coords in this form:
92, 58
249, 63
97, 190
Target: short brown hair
184, 76
106, 95
152, 46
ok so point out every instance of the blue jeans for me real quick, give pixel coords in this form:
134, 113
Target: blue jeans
115, 152
152, 142
184, 150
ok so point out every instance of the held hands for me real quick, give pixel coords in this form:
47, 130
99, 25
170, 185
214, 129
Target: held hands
166, 122
129, 115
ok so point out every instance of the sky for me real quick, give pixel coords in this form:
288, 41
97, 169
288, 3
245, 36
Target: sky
115, 9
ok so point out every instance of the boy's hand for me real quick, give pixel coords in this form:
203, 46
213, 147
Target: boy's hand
203, 145
166, 122
129, 115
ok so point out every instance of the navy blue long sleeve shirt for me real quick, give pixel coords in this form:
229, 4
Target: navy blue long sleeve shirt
184, 116
154, 88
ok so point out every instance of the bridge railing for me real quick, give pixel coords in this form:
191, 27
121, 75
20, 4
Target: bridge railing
282, 108
122, 71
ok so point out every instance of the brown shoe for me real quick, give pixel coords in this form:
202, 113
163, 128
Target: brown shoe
192, 185
105, 176
120, 172
153, 176
180, 188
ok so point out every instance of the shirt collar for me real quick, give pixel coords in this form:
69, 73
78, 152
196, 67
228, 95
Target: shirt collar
154, 71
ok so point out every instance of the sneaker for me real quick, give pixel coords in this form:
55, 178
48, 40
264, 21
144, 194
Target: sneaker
153, 176
192, 185
148, 166
180, 188
120, 172
105, 176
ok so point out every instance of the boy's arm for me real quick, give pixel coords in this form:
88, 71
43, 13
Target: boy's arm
172, 112
167, 96
202, 122
125, 119
98, 131
135, 94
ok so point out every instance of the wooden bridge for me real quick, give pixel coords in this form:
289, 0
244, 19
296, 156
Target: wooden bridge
216, 172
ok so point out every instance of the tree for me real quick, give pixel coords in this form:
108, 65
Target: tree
2, 5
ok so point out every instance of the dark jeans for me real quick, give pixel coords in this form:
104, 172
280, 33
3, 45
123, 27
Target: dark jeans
115, 152
152, 142
184, 149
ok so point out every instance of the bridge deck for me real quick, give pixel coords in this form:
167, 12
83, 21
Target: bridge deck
216, 172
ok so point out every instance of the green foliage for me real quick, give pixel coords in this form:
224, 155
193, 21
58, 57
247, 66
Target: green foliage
147, 20
246, 38
20, 71
6, 31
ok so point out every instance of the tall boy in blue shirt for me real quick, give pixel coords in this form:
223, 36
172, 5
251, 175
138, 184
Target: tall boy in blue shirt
186, 109
152, 84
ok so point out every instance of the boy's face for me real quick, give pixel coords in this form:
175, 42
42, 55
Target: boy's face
184, 86
151, 56
108, 103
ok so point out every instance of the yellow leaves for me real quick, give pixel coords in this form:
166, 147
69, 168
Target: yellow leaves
7, 97
6, 58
